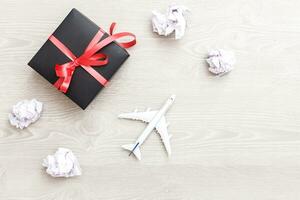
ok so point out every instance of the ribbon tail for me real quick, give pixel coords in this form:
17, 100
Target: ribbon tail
58, 83
123, 34
111, 28
62, 84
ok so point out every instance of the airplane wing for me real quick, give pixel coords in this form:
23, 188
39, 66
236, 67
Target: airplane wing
161, 128
141, 116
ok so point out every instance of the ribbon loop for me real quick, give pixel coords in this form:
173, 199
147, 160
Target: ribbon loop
89, 58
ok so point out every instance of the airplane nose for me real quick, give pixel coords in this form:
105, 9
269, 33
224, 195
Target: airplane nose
173, 97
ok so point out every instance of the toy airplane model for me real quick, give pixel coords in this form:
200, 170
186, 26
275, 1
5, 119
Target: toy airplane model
156, 120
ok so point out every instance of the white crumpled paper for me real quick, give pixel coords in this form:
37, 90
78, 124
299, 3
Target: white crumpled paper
25, 112
62, 164
220, 61
173, 21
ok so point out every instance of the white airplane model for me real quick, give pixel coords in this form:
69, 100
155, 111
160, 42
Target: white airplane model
156, 120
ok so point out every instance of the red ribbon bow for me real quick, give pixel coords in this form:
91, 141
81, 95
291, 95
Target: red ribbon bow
89, 58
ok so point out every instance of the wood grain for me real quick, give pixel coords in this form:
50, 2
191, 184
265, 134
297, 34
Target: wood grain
235, 137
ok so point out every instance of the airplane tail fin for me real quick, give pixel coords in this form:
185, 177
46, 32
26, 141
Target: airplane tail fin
134, 149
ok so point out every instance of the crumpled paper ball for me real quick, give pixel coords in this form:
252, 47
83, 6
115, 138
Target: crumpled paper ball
173, 21
220, 61
62, 164
25, 112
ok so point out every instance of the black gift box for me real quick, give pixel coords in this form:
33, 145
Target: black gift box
75, 32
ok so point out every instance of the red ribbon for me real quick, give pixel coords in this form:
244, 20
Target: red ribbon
89, 58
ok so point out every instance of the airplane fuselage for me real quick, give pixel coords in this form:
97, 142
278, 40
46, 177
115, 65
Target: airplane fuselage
154, 122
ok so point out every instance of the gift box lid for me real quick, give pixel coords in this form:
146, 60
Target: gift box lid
75, 32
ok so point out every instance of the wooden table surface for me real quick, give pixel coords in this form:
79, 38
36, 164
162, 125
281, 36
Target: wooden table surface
234, 138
